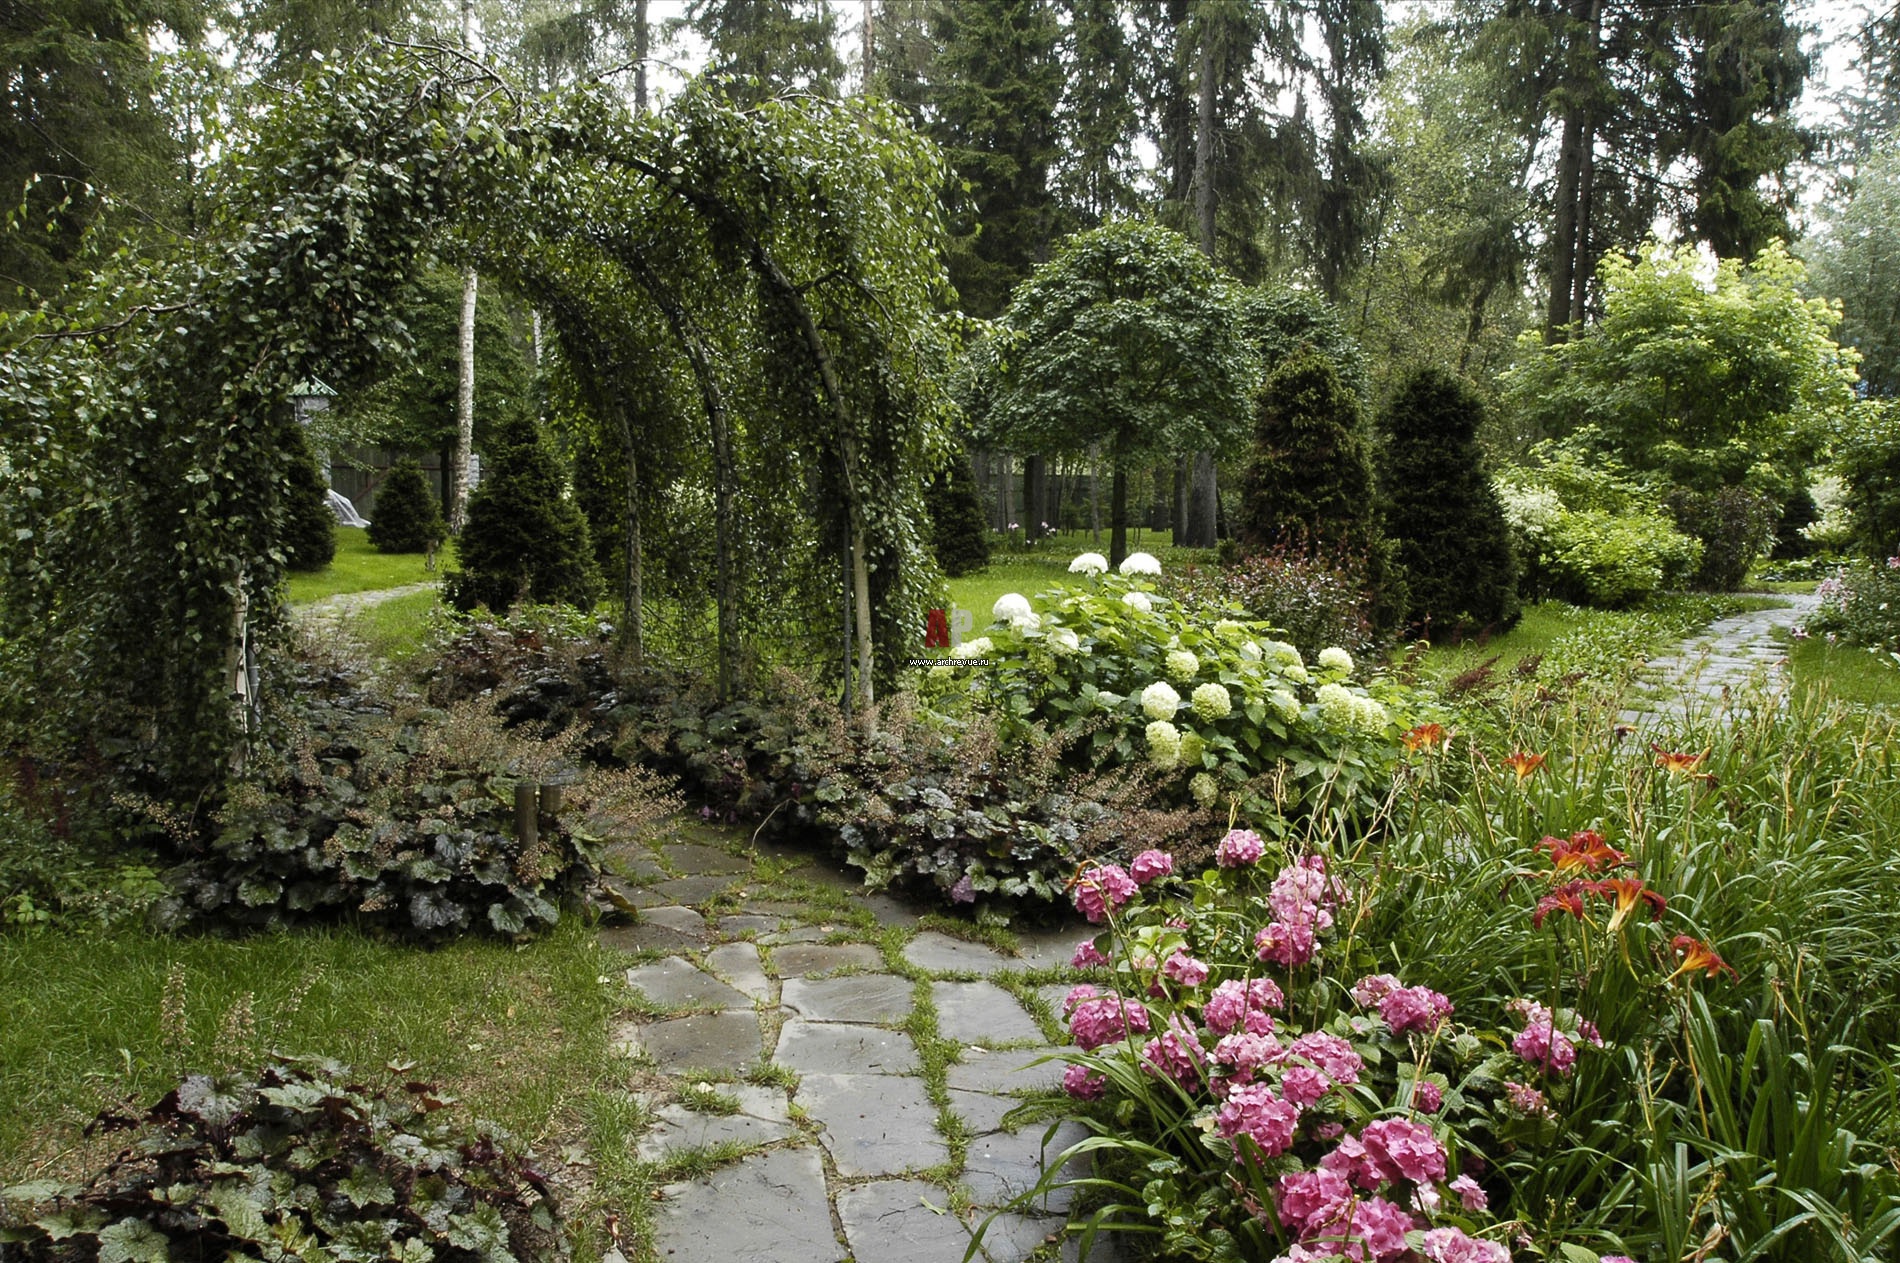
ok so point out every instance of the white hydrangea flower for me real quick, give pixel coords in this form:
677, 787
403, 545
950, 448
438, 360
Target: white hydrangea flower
941, 672
1286, 704
1192, 748
978, 648
1229, 628
1335, 659
1140, 563
1338, 708
1250, 650
1296, 673
1062, 640
1211, 702
1031, 621
1138, 601
1182, 664
1164, 744
1090, 564
1159, 700
1370, 716
1203, 789
1009, 607
1281, 654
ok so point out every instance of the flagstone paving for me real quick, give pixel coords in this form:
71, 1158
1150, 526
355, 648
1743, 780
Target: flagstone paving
1734, 663
868, 1066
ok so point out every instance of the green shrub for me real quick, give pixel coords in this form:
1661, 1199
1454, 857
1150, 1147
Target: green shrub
302, 1161
309, 538
408, 516
1309, 478
1214, 707
525, 540
1869, 464
959, 536
1312, 597
1588, 536
1735, 526
55, 870
1454, 544
1860, 604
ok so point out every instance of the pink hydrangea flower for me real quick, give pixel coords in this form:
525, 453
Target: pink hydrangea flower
1301, 894
1382, 1227
1283, 944
1452, 1245
1373, 988
1541, 1044
1185, 970
1469, 1194
1351, 1161
1176, 1053
1083, 1083
1087, 955
1102, 889
1264, 993
1254, 1111
1246, 1053
1077, 994
1525, 1100
1403, 1150
1591, 1035
1427, 1097
1311, 1200
1239, 848
1151, 864
1330, 1053
1413, 1009
1104, 1019
1235, 1003
1303, 1085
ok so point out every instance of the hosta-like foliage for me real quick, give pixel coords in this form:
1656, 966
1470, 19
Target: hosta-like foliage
301, 1161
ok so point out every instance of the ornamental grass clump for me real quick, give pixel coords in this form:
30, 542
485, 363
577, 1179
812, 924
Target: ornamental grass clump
1255, 1092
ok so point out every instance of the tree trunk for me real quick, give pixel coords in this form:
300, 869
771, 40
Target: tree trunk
632, 603
1202, 503
868, 46
1586, 190
465, 360
1177, 515
1117, 516
1095, 494
640, 55
1035, 496
1573, 159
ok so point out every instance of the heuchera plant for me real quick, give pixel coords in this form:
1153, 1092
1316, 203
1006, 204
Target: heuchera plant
1251, 1100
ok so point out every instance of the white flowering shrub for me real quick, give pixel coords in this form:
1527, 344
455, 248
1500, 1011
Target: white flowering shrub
1206, 704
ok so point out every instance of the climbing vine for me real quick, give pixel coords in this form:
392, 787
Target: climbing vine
782, 259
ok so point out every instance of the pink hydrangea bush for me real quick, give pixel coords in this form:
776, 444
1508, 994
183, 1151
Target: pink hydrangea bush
1303, 1116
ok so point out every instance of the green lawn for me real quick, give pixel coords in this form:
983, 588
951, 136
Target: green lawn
1844, 673
358, 567
1047, 566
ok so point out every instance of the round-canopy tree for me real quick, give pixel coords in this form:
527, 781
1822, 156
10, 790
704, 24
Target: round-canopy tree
1125, 338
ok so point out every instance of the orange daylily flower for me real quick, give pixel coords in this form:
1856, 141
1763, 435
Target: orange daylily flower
1627, 892
1697, 955
1523, 764
1565, 898
1681, 764
1425, 736
1583, 850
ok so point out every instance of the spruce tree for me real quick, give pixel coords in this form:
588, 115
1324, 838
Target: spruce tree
958, 534
1444, 515
408, 516
1309, 480
525, 540
309, 538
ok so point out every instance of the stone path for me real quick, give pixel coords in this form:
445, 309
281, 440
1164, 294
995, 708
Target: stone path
847, 1074
346, 603
1732, 662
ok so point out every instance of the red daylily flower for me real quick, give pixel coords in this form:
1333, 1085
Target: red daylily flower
1696, 955
1565, 898
1583, 851
1425, 737
1523, 764
1626, 893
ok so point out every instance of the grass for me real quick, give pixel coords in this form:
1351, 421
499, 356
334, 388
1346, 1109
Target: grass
519, 1035
358, 567
1844, 673
1047, 565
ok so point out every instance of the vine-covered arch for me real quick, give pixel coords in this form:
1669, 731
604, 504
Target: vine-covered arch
787, 254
